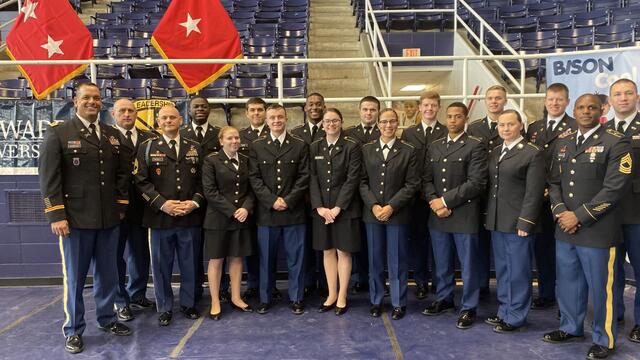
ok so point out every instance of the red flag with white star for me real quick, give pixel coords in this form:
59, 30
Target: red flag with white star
49, 30
197, 29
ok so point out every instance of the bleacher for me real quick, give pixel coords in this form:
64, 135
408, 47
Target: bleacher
267, 29
529, 26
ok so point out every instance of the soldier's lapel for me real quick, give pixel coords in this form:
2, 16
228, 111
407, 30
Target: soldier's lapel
594, 139
337, 149
227, 162
164, 147
456, 145
514, 151
285, 146
394, 151
271, 147
208, 136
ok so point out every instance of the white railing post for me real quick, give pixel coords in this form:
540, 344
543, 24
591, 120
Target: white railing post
465, 74
280, 83
93, 68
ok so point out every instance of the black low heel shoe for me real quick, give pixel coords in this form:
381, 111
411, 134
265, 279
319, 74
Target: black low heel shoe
215, 317
341, 310
247, 309
325, 308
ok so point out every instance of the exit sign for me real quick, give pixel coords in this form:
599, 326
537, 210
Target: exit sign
410, 52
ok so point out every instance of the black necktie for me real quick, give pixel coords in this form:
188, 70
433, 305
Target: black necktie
367, 132
385, 147
129, 139
257, 132
503, 153
580, 140
550, 125
93, 133
493, 126
331, 148
314, 130
234, 162
199, 135
449, 143
172, 146
621, 126
276, 142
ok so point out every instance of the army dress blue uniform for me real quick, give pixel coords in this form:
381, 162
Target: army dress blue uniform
457, 173
590, 180
516, 190
392, 180
544, 134
84, 180
280, 170
630, 207
163, 174
422, 258
132, 234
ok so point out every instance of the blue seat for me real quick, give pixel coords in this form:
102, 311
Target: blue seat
521, 25
605, 5
295, 16
112, 71
272, 17
248, 87
147, 7
139, 71
532, 68
271, 5
543, 9
291, 51
253, 70
572, 38
264, 29
614, 34
117, 31
154, 18
570, 7
513, 11
132, 48
626, 15
120, 7
591, 19
296, 5
129, 93
291, 87
290, 70
95, 30
106, 18
167, 93
247, 5
104, 48
134, 19
555, 22
524, 2
488, 13
14, 88
497, 48
289, 29
540, 40
498, 3
143, 31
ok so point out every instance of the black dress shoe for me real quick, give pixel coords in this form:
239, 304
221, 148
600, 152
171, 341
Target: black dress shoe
599, 352
559, 336
466, 319
375, 310
263, 308
325, 308
297, 307
215, 317
359, 287
276, 294
341, 310
398, 313
422, 290
438, 307
247, 309
116, 328
503, 327
165, 318
189, 312
224, 296
250, 293
142, 304
73, 344
634, 335
125, 314
541, 303
493, 320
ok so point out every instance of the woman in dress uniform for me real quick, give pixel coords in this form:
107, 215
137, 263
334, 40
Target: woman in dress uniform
335, 178
516, 189
227, 224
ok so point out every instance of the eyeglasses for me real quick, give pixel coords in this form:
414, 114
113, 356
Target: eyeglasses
331, 121
388, 122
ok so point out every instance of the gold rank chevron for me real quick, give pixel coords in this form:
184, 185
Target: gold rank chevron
601, 207
625, 164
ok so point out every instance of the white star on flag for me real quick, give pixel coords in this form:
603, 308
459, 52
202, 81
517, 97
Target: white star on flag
191, 25
52, 46
29, 10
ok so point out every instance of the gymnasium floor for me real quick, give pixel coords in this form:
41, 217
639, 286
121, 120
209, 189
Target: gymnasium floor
31, 319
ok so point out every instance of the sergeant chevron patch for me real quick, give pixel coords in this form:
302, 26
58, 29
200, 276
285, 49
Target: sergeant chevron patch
625, 164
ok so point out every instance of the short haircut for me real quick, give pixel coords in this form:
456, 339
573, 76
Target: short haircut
84, 84
198, 97
386, 110
255, 101
557, 87
603, 98
224, 130
511, 111
315, 94
496, 87
622, 81
458, 104
334, 110
369, 98
590, 94
276, 107
430, 95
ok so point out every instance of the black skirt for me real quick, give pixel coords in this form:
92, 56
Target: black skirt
344, 235
222, 243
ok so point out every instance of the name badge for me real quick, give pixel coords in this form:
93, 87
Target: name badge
158, 157
594, 149
319, 157
635, 137
76, 144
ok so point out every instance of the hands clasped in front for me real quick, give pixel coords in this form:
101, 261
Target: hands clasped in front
178, 208
438, 207
568, 222
329, 215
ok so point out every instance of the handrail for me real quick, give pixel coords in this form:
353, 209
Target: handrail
375, 36
10, 2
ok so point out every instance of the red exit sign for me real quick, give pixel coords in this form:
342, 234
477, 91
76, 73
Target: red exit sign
410, 52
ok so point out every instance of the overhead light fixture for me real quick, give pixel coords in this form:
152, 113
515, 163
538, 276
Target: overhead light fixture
414, 88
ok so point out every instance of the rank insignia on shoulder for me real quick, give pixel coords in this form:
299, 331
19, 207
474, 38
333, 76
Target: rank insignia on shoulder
566, 133
55, 123
614, 133
135, 167
625, 164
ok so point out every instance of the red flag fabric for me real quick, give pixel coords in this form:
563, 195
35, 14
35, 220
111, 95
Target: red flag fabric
197, 29
49, 30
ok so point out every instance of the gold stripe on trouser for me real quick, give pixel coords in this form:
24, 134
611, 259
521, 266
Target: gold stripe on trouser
608, 321
65, 286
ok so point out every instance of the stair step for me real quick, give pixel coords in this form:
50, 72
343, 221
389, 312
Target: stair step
333, 32
334, 46
331, 54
